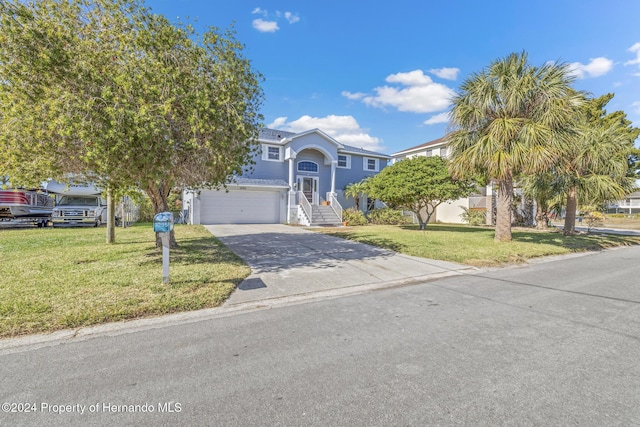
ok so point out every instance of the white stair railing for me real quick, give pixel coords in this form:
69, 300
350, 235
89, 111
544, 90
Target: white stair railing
337, 208
305, 205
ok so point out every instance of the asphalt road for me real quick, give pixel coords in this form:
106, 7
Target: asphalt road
552, 343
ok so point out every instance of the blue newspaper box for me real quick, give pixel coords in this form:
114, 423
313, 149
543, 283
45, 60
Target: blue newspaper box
163, 222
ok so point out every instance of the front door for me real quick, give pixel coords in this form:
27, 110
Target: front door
309, 187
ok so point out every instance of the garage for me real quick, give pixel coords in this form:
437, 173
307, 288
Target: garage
240, 206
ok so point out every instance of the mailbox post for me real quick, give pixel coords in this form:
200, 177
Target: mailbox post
163, 224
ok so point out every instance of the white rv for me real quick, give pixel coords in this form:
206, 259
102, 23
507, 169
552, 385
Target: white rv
77, 205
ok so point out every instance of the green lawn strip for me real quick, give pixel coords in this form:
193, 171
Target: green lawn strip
475, 245
53, 279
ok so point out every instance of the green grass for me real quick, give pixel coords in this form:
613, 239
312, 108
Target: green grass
475, 245
53, 279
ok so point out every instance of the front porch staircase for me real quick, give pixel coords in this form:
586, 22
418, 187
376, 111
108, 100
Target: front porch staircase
324, 216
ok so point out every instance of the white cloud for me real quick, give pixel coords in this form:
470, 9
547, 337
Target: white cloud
636, 107
421, 94
265, 26
270, 23
438, 118
353, 96
445, 73
278, 123
291, 17
412, 78
595, 68
345, 129
634, 49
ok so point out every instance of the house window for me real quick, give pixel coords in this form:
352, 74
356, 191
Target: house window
429, 153
271, 153
370, 164
307, 166
344, 161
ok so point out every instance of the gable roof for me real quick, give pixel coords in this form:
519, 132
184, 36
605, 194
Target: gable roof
426, 145
356, 150
274, 135
282, 137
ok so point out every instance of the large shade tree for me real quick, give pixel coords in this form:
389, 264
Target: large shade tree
419, 185
111, 91
510, 119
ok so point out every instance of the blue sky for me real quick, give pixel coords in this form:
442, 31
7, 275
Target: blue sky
380, 75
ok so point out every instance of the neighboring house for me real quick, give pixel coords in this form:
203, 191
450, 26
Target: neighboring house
630, 205
297, 178
448, 212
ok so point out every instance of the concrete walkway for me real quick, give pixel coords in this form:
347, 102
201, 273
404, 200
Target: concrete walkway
290, 262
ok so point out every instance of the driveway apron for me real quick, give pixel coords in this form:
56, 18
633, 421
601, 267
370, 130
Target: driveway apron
288, 261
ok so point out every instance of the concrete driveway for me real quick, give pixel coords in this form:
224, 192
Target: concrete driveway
293, 262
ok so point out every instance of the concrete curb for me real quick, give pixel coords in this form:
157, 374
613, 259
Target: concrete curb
32, 342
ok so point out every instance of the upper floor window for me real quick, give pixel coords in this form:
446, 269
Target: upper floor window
272, 153
344, 161
307, 166
371, 164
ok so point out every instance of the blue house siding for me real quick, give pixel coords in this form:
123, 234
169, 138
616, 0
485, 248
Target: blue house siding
356, 173
275, 171
263, 169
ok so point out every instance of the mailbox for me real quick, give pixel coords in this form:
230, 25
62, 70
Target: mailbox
163, 222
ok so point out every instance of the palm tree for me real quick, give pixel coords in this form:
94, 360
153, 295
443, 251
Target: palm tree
354, 190
595, 168
541, 189
597, 165
509, 120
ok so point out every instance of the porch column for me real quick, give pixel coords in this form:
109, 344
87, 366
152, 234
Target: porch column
334, 164
291, 165
290, 156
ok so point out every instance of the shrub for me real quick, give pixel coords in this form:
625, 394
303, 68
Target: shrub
354, 217
593, 219
473, 216
387, 216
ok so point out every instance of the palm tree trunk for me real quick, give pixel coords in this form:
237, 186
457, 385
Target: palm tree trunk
570, 216
541, 215
503, 210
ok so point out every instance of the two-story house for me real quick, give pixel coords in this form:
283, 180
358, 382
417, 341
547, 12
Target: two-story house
297, 178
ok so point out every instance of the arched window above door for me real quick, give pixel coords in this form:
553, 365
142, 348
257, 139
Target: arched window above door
307, 166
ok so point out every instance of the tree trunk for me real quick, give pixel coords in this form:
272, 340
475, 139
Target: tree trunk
111, 218
541, 215
570, 216
158, 193
541, 220
503, 210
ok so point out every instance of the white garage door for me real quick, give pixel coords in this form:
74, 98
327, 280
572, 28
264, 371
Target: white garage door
239, 207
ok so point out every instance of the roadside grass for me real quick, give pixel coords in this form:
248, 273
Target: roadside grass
475, 245
61, 278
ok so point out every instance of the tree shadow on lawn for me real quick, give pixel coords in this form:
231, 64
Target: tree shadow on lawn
449, 228
202, 250
554, 237
578, 242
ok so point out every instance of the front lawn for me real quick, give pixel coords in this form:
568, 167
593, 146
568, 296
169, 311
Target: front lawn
62, 278
475, 245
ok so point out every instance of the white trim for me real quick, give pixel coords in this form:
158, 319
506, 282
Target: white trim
365, 164
348, 157
315, 182
265, 153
